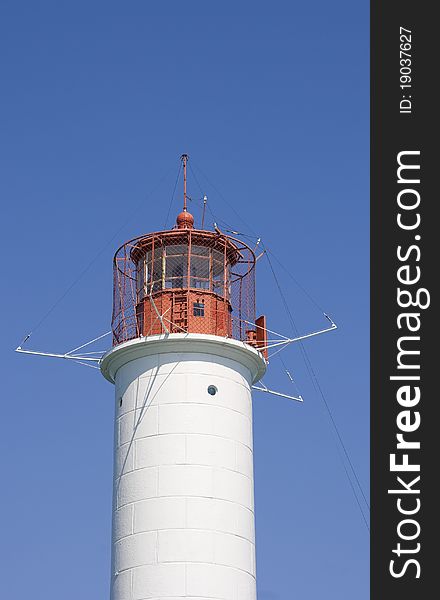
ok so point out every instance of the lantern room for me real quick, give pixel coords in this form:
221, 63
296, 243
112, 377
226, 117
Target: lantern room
185, 280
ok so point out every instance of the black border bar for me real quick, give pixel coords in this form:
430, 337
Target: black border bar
405, 257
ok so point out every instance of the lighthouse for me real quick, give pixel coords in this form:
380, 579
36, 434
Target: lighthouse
187, 348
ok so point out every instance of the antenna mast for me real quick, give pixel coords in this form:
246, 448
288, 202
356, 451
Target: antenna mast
184, 159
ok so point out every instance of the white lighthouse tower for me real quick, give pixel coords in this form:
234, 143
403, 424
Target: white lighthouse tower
184, 358
187, 351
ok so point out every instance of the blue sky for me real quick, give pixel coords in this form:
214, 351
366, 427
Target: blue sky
271, 103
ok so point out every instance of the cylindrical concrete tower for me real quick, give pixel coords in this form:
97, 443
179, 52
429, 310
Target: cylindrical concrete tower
184, 359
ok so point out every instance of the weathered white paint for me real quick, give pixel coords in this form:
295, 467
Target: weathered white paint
183, 507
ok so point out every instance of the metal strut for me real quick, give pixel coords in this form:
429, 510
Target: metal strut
74, 357
288, 341
268, 391
71, 354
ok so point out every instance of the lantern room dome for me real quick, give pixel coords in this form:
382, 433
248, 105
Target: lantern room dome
185, 220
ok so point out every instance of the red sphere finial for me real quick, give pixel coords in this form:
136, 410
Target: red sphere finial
185, 220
